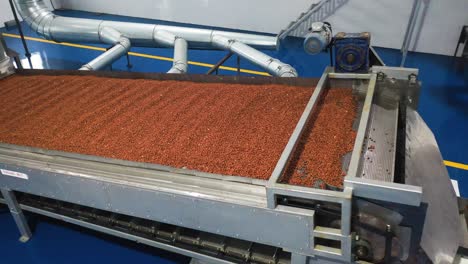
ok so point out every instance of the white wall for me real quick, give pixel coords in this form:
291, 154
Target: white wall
256, 15
385, 19
5, 12
442, 26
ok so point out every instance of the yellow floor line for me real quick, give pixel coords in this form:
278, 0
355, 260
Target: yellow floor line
457, 165
136, 54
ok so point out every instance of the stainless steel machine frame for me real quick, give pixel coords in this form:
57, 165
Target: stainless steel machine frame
230, 206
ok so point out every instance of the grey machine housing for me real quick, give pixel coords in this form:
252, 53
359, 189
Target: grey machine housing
395, 200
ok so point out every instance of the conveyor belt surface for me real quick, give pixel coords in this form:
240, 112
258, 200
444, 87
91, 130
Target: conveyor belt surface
328, 137
230, 129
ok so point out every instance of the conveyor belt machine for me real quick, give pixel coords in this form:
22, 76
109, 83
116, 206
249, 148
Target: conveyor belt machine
396, 199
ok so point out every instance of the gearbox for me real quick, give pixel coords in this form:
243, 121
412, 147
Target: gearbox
352, 52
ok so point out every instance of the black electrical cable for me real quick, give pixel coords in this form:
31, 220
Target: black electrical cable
20, 29
52, 4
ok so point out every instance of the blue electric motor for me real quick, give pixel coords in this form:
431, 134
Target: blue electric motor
352, 52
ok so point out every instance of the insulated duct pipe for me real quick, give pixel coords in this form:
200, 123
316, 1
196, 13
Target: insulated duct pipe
63, 29
180, 56
120, 48
272, 65
180, 45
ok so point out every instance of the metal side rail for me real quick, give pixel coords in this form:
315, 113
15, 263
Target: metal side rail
209, 205
207, 247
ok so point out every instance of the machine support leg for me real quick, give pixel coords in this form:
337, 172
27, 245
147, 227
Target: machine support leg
388, 244
298, 259
17, 214
196, 261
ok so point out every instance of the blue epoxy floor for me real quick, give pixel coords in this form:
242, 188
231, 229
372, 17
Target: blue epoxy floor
443, 104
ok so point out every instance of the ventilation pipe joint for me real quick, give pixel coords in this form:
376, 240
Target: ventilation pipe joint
164, 38
273, 66
121, 47
109, 35
281, 69
180, 45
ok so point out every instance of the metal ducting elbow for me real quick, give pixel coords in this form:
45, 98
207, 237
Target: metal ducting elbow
37, 15
180, 45
272, 65
121, 47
